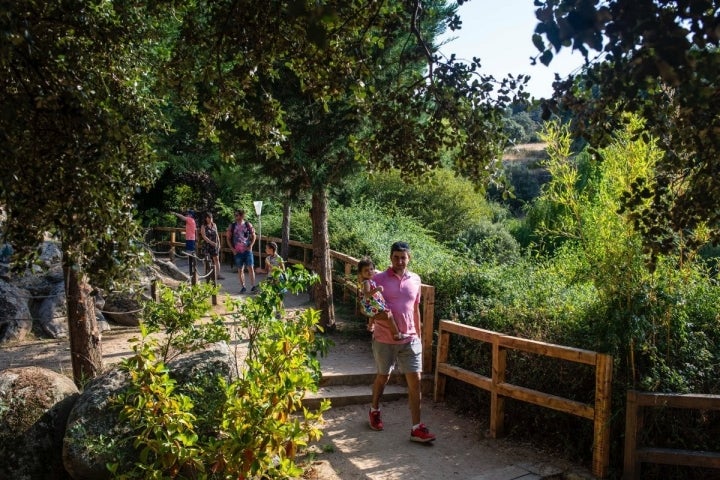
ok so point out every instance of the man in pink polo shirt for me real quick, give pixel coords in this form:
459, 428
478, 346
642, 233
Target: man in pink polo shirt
401, 289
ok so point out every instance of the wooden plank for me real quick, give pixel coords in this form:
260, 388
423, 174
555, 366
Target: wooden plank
467, 376
576, 355
441, 357
673, 400
631, 467
497, 402
427, 325
601, 422
690, 458
467, 331
352, 261
546, 400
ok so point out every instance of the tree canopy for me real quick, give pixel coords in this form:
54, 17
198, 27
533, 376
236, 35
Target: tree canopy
659, 59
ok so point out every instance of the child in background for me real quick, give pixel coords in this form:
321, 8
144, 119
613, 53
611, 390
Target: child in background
371, 299
272, 259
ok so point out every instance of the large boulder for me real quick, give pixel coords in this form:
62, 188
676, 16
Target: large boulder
50, 254
35, 405
123, 309
93, 427
15, 316
91, 424
165, 270
51, 312
102, 322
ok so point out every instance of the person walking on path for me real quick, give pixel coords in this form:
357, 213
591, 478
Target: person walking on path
190, 229
401, 289
372, 301
211, 239
241, 238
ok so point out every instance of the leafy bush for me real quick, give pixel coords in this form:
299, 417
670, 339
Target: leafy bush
209, 428
487, 242
442, 203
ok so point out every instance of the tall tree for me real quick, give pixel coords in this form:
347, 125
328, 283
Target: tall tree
75, 141
659, 59
321, 89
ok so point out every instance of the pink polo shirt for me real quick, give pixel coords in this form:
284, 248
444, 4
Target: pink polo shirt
401, 294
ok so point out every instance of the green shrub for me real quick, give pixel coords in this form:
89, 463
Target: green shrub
441, 202
209, 428
487, 242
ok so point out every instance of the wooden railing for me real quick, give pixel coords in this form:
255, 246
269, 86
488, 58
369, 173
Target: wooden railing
343, 276
499, 389
635, 456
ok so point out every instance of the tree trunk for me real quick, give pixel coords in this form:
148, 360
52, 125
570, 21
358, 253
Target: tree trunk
85, 348
285, 230
322, 264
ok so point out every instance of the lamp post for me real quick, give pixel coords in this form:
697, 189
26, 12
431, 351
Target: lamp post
258, 210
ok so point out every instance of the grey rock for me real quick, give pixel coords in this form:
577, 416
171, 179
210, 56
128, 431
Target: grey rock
123, 309
93, 426
52, 312
166, 269
50, 254
94, 430
34, 407
15, 316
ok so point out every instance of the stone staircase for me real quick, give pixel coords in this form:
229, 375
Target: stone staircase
344, 389
348, 371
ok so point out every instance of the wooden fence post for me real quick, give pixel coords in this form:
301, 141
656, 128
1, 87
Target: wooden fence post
603, 403
193, 269
172, 247
630, 464
497, 401
442, 356
348, 272
427, 326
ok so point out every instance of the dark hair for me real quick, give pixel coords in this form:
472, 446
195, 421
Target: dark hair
240, 212
191, 213
365, 262
399, 247
272, 245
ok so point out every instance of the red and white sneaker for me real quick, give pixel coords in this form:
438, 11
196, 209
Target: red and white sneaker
376, 422
421, 434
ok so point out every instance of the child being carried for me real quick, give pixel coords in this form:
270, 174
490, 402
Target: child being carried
372, 301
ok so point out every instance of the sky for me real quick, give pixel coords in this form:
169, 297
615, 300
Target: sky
500, 33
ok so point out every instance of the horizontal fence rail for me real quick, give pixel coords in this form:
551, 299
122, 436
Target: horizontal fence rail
301, 253
598, 413
635, 456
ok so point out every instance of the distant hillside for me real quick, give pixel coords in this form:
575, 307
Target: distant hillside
523, 167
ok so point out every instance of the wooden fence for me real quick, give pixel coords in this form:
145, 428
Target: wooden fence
343, 269
635, 456
499, 389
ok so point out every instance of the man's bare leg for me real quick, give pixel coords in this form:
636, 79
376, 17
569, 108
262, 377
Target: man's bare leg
241, 276
251, 272
413, 383
378, 389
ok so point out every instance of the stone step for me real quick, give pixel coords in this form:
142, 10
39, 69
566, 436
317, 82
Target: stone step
342, 395
367, 379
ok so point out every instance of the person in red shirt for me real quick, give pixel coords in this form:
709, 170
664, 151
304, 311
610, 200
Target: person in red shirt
190, 229
401, 290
